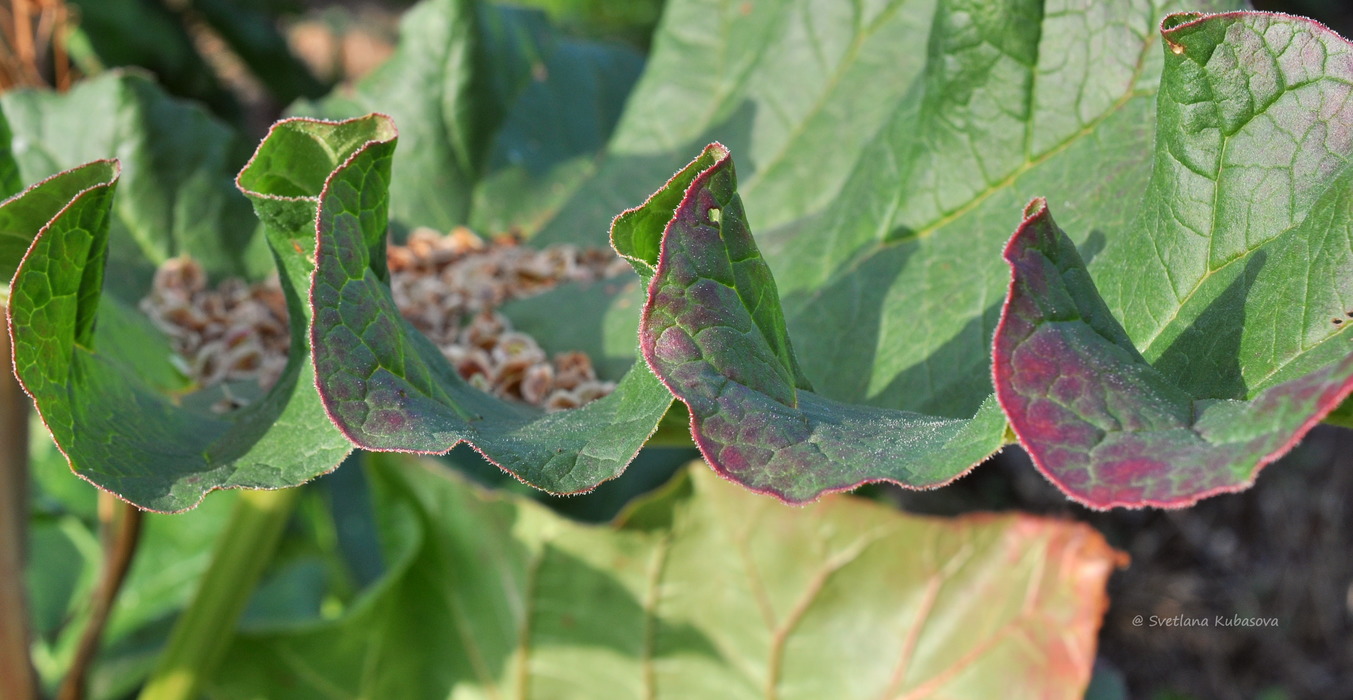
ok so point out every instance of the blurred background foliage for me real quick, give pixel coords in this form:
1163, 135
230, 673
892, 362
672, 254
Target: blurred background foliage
246, 60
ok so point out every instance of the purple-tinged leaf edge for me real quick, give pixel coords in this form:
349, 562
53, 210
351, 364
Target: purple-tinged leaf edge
1037, 215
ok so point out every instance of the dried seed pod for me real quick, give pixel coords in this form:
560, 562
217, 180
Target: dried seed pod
515, 346
537, 383
572, 369
562, 400
473, 362
207, 366
484, 330
244, 360
179, 321
181, 274
464, 241
508, 379
480, 382
592, 389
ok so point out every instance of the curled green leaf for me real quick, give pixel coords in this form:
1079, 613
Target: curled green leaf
713, 331
82, 355
387, 387
1234, 286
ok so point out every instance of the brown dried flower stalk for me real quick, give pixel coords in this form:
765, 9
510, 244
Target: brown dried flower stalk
447, 286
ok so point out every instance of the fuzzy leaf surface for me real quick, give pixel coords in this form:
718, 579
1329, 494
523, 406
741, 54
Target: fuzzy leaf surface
1235, 283
703, 591
387, 387
84, 361
713, 331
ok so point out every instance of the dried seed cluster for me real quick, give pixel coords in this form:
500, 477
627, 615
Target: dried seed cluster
447, 286
235, 332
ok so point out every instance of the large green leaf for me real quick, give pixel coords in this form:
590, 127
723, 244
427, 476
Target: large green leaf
1234, 285
882, 187
889, 281
705, 591
388, 387
500, 115
79, 360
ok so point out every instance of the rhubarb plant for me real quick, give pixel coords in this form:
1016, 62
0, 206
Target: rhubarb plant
869, 356
826, 321
854, 274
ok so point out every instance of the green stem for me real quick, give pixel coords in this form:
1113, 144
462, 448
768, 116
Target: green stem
17, 678
204, 631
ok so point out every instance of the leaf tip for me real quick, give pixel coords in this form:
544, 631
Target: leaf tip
1035, 207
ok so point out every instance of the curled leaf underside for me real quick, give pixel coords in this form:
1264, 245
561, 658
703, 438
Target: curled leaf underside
81, 355
713, 331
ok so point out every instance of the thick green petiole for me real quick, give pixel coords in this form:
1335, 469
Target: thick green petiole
203, 631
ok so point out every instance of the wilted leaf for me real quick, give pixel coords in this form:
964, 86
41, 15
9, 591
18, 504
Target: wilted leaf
706, 591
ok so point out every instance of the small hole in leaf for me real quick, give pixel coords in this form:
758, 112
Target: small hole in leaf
1337, 321
715, 215
1349, 314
